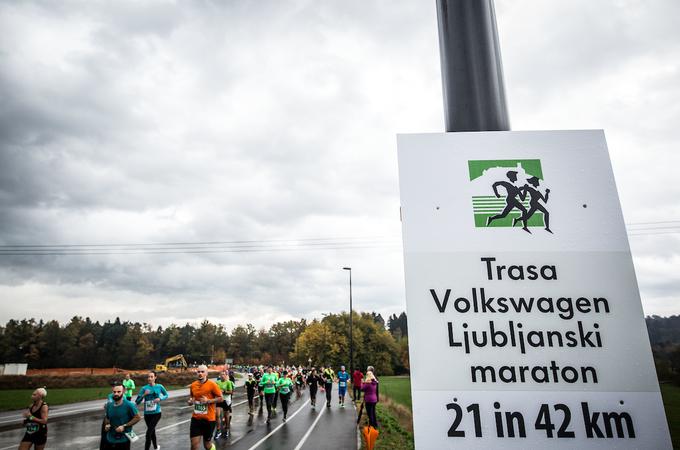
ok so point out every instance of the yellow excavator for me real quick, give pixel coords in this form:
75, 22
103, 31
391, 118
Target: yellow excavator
178, 360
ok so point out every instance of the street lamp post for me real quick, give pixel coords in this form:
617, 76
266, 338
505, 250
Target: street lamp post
351, 344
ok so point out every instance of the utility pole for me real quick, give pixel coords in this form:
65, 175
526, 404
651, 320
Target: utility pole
472, 71
351, 343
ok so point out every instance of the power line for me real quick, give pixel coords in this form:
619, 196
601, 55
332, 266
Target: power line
251, 246
254, 246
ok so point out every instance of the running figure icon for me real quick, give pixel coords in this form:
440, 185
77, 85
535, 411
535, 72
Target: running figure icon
511, 200
535, 197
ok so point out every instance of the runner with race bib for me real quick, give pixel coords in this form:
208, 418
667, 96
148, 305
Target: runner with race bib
151, 395
284, 386
204, 394
343, 377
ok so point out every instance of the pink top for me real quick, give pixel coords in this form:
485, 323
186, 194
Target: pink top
370, 391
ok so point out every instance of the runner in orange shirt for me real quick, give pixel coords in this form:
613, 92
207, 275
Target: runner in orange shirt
203, 395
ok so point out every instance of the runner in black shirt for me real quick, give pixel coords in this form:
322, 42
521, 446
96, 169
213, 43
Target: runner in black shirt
251, 385
313, 380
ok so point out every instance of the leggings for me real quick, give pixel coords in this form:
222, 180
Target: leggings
329, 388
357, 392
312, 393
276, 399
151, 421
269, 399
370, 411
284, 403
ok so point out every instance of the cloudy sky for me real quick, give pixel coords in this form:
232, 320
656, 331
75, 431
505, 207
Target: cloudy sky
174, 161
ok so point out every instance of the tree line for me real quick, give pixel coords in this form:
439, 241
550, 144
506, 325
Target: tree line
133, 345
664, 335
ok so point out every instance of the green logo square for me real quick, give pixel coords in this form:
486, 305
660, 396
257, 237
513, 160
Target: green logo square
507, 193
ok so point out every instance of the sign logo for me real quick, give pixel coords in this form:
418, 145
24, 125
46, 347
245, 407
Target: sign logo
507, 193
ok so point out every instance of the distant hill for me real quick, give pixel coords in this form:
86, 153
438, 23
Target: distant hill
663, 330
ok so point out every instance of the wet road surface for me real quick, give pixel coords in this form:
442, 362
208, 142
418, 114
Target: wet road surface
306, 428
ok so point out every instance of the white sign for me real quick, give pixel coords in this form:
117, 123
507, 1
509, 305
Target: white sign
525, 323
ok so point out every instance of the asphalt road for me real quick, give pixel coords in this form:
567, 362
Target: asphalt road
78, 426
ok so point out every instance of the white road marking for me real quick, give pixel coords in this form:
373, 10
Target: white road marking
257, 444
304, 438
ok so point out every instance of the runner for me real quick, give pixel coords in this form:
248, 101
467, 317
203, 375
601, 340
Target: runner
343, 376
129, 385
35, 421
224, 407
151, 394
284, 386
357, 377
204, 394
327, 376
260, 389
121, 415
230, 372
299, 384
251, 385
268, 382
275, 400
313, 380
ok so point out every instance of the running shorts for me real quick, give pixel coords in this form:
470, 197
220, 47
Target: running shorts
201, 427
224, 406
37, 438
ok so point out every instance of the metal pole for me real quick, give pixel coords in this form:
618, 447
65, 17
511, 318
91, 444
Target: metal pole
472, 72
351, 343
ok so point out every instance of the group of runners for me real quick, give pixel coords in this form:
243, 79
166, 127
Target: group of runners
210, 401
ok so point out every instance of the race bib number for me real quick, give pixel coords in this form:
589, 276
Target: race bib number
342, 383
227, 399
200, 408
150, 406
285, 390
132, 437
31, 427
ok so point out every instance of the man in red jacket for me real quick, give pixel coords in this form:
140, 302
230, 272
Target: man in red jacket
357, 377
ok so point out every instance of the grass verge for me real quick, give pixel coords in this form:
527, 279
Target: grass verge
12, 399
671, 402
397, 388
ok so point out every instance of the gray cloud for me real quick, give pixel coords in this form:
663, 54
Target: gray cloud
227, 121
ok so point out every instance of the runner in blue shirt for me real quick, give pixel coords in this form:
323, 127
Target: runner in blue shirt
343, 377
152, 394
121, 415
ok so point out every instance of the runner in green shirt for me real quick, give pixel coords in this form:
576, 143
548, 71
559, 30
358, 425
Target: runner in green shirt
224, 407
284, 386
129, 385
268, 381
